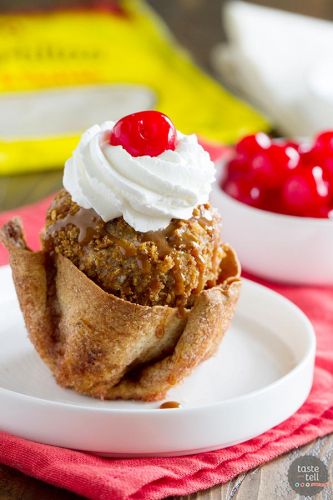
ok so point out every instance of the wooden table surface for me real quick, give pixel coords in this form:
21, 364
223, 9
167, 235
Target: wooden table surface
198, 28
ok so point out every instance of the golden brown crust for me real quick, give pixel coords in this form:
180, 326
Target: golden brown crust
207, 322
92, 340
30, 279
168, 267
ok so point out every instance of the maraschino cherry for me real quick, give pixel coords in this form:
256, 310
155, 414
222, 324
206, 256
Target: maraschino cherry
271, 166
324, 142
243, 190
306, 193
283, 176
252, 144
144, 133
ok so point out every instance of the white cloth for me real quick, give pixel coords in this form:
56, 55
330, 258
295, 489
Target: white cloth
281, 61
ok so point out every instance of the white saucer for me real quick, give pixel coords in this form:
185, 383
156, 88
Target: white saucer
261, 375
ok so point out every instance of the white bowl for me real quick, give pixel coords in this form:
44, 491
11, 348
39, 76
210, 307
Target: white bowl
278, 247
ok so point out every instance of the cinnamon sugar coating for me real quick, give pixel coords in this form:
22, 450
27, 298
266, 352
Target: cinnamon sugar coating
108, 348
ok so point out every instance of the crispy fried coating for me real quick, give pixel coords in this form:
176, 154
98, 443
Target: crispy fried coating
106, 347
169, 267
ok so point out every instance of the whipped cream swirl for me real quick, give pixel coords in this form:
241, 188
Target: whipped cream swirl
147, 191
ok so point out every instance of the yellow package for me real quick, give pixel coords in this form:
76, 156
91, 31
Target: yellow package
61, 72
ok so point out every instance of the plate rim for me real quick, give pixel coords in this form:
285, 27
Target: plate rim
308, 357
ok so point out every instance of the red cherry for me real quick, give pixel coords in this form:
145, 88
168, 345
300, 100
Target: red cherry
310, 158
305, 192
324, 212
271, 167
252, 144
236, 167
243, 190
327, 166
144, 133
313, 158
272, 201
292, 144
324, 141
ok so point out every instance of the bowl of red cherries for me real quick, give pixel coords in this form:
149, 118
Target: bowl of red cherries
276, 199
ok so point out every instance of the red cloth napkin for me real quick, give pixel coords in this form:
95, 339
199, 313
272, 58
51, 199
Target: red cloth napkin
102, 478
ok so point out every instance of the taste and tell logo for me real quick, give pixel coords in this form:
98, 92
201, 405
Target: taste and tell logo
308, 475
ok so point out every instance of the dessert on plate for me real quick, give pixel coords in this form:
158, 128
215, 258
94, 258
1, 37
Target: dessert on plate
133, 287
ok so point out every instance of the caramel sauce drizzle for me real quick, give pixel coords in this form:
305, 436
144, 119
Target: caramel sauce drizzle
170, 404
84, 219
126, 249
165, 240
161, 239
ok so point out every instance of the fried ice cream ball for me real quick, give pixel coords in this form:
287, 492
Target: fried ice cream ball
168, 267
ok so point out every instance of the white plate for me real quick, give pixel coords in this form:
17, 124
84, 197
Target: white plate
261, 375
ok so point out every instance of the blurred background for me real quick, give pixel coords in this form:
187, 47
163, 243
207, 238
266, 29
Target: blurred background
245, 68
197, 24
